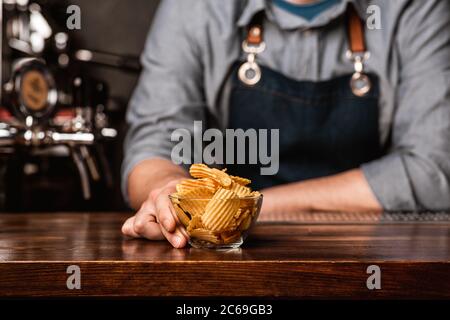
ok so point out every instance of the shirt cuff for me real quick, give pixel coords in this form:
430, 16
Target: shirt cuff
389, 181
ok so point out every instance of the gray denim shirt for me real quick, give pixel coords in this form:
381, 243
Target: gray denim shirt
193, 43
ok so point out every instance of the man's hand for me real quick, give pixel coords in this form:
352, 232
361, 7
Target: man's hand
149, 185
155, 219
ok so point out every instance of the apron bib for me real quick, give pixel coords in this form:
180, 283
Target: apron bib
325, 127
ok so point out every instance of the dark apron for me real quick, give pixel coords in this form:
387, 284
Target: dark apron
324, 128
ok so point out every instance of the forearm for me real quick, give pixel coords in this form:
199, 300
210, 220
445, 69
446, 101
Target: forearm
348, 191
149, 175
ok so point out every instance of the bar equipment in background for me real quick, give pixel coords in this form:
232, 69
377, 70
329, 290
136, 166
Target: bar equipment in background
33, 97
50, 106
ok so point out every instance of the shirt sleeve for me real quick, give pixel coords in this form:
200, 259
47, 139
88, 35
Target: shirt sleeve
415, 175
169, 94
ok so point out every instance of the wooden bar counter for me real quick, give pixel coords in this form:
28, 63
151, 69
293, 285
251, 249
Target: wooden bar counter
308, 256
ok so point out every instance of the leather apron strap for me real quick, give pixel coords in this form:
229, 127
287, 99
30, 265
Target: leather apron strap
250, 72
355, 27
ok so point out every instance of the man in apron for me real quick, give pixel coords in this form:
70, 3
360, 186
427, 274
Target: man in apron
363, 114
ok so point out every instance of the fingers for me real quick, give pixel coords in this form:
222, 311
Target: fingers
145, 224
148, 228
128, 228
176, 238
164, 213
156, 221
176, 235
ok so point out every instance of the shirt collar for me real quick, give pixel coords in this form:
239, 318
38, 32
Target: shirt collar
286, 20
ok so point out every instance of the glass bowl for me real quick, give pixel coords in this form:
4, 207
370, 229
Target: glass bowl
218, 224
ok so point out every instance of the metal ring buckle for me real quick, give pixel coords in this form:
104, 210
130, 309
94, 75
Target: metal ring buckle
244, 70
360, 84
249, 72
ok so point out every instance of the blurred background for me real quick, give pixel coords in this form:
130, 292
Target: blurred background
64, 97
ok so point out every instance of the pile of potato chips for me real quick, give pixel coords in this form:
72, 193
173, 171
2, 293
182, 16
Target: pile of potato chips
215, 207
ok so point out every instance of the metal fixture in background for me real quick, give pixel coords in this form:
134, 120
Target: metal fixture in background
41, 113
33, 96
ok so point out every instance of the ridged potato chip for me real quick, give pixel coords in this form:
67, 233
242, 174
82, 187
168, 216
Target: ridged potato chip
240, 190
230, 237
202, 171
194, 207
220, 211
246, 223
242, 215
182, 216
200, 192
195, 200
175, 198
195, 223
214, 206
189, 185
210, 184
205, 235
241, 181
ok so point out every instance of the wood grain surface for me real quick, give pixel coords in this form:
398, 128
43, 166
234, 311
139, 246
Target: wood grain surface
322, 256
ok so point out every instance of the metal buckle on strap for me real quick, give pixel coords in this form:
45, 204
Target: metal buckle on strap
359, 83
255, 49
250, 72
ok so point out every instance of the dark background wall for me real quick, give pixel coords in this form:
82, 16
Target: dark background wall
115, 26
